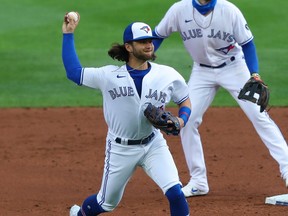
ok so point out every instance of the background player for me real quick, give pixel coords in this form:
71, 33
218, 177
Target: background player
131, 140
216, 35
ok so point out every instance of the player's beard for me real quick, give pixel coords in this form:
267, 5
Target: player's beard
144, 55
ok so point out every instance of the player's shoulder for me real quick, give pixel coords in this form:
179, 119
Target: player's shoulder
161, 66
111, 68
228, 8
104, 71
164, 69
183, 2
226, 5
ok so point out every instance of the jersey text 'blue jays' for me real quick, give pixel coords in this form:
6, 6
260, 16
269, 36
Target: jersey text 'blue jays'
197, 33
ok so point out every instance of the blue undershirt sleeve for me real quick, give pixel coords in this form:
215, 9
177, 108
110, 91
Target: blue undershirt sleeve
250, 55
156, 42
70, 59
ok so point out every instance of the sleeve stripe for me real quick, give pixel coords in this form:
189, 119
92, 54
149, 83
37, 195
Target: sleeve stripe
81, 77
247, 41
182, 100
157, 33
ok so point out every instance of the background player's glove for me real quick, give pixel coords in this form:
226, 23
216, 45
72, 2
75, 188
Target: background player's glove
256, 85
162, 120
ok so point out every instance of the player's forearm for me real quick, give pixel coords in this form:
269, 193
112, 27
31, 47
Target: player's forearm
251, 58
70, 59
184, 112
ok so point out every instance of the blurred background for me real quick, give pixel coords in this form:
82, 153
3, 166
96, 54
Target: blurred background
32, 73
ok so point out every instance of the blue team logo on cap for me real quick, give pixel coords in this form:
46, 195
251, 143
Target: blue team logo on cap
146, 29
138, 31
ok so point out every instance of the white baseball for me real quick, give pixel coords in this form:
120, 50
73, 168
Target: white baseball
73, 15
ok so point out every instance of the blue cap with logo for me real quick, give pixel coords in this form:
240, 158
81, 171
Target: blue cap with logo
138, 31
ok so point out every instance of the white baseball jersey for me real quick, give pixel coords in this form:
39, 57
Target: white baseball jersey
222, 31
123, 108
213, 40
124, 115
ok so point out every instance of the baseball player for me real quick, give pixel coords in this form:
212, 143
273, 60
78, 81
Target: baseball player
131, 140
220, 43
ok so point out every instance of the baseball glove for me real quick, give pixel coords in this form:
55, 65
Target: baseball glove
162, 120
252, 86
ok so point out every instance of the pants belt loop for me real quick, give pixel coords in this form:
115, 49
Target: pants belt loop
124, 141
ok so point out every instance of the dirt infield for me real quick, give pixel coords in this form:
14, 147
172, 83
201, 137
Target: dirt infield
52, 158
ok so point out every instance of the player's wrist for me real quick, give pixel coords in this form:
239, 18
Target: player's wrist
181, 122
255, 74
184, 113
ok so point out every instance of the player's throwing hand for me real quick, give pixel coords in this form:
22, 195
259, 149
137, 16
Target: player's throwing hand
69, 24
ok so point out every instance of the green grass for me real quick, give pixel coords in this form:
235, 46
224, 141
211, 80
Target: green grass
32, 74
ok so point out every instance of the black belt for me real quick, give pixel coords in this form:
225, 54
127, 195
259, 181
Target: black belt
137, 142
219, 66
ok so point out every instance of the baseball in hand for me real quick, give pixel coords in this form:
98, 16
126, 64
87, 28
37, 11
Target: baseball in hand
73, 15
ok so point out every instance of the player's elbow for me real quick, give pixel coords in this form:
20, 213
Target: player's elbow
74, 74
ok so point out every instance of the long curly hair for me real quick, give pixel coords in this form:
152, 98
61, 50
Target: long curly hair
119, 52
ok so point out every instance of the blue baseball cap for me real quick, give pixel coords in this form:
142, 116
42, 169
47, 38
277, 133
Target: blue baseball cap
138, 31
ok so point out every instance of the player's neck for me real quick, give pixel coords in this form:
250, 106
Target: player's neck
204, 7
138, 65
